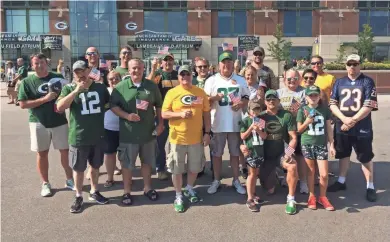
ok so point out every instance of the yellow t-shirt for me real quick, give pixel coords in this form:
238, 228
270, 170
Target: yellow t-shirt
186, 131
325, 83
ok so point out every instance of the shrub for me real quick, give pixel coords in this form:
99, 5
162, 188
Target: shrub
365, 66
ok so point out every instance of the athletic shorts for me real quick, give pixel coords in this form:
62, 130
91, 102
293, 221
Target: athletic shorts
128, 153
254, 162
361, 145
41, 137
218, 142
79, 156
111, 140
179, 155
315, 152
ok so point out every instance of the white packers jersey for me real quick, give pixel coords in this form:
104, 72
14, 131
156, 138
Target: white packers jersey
223, 118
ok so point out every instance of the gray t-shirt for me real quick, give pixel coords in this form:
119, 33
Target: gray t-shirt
287, 97
253, 91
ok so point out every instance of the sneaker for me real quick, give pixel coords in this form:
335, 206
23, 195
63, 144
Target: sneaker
312, 202
179, 205
77, 205
244, 173
214, 187
239, 188
251, 205
162, 175
46, 190
191, 195
371, 195
99, 198
70, 184
303, 188
325, 203
117, 172
337, 186
291, 207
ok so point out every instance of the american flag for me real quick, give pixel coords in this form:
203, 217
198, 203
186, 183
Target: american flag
289, 151
227, 46
142, 104
196, 100
95, 74
234, 97
261, 124
103, 64
295, 105
163, 50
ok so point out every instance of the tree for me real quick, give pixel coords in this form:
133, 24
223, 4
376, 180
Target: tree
341, 54
365, 44
279, 49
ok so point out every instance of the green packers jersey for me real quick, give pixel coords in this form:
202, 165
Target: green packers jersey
23, 72
122, 71
32, 88
254, 143
86, 116
315, 133
277, 127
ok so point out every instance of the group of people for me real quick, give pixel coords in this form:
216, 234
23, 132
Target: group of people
126, 114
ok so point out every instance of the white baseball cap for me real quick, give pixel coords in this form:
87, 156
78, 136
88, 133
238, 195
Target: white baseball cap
353, 57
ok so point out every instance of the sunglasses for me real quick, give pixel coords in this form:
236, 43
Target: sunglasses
126, 52
91, 53
308, 78
202, 67
292, 79
316, 63
184, 73
352, 64
270, 99
258, 54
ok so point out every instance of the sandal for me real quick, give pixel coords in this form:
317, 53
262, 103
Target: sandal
251, 205
127, 199
152, 195
257, 200
271, 191
108, 184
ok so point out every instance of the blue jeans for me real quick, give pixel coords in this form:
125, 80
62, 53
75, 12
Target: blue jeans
161, 141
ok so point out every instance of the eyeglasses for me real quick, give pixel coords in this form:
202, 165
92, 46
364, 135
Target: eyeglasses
292, 79
308, 78
353, 64
202, 67
183, 74
126, 52
318, 63
270, 99
258, 54
91, 53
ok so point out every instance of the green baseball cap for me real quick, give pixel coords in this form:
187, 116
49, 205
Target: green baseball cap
312, 90
224, 56
271, 93
184, 68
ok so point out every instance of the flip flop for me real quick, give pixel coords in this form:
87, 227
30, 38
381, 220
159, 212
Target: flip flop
151, 194
127, 199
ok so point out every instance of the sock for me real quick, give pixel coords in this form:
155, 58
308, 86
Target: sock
178, 195
341, 179
78, 194
188, 187
302, 183
370, 185
289, 197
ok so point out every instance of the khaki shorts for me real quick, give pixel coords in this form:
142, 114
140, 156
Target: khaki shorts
17, 85
128, 153
218, 142
41, 137
179, 154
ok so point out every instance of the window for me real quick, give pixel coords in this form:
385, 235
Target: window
234, 53
26, 4
373, 4
161, 21
233, 5
301, 52
381, 53
295, 5
297, 23
379, 20
231, 23
165, 4
16, 21
94, 24
27, 21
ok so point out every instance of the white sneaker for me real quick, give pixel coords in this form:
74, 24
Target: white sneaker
303, 188
214, 187
46, 190
239, 188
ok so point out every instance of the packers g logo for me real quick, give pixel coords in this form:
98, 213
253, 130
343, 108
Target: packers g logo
43, 88
273, 127
187, 99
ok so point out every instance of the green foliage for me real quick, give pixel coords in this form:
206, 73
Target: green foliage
341, 54
279, 49
365, 44
365, 66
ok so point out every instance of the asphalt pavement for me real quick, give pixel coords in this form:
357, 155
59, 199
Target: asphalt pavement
26, 216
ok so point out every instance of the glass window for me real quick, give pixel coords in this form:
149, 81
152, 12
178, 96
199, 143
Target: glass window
381, 53
231, 23
378, 20
297, 23
162, 21
27, 21
177, 22
16, 21
301, 52
154, 21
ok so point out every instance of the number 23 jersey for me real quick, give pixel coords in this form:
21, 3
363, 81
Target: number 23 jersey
223, 118
350, 96
86, 116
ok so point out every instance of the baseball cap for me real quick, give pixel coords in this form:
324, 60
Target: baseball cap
312, 89
253, 105
258, 49
79, 65
353, 57
271, 93
224, 56
168, 55
184, 68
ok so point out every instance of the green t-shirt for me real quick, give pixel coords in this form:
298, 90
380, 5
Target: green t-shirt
125, 96
166, 81
199, 82
122, 71
254, 143
315, 133
277, 127
23, 72
86, 114
32, 88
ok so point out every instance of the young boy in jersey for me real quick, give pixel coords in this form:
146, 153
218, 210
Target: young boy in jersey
314, 125
87, 101
253, 134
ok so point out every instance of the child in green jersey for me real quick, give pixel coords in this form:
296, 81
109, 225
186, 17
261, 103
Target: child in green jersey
314, 125
253, 134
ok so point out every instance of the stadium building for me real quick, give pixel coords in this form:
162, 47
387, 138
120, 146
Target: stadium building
64, 29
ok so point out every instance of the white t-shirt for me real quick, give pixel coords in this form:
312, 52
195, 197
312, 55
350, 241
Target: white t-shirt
111, 121
223, 118
286, 96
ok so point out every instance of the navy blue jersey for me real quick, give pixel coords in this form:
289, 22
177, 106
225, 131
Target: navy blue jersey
350, 96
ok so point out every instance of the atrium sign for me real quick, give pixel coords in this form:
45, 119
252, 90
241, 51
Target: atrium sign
153, 40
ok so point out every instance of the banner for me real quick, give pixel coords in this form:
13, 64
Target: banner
53, 42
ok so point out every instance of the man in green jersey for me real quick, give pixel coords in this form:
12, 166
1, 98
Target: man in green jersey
46, 125
136, 101
87, 101
125, 55
22, 73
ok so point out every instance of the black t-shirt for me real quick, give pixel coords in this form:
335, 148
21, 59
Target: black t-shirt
166, 81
